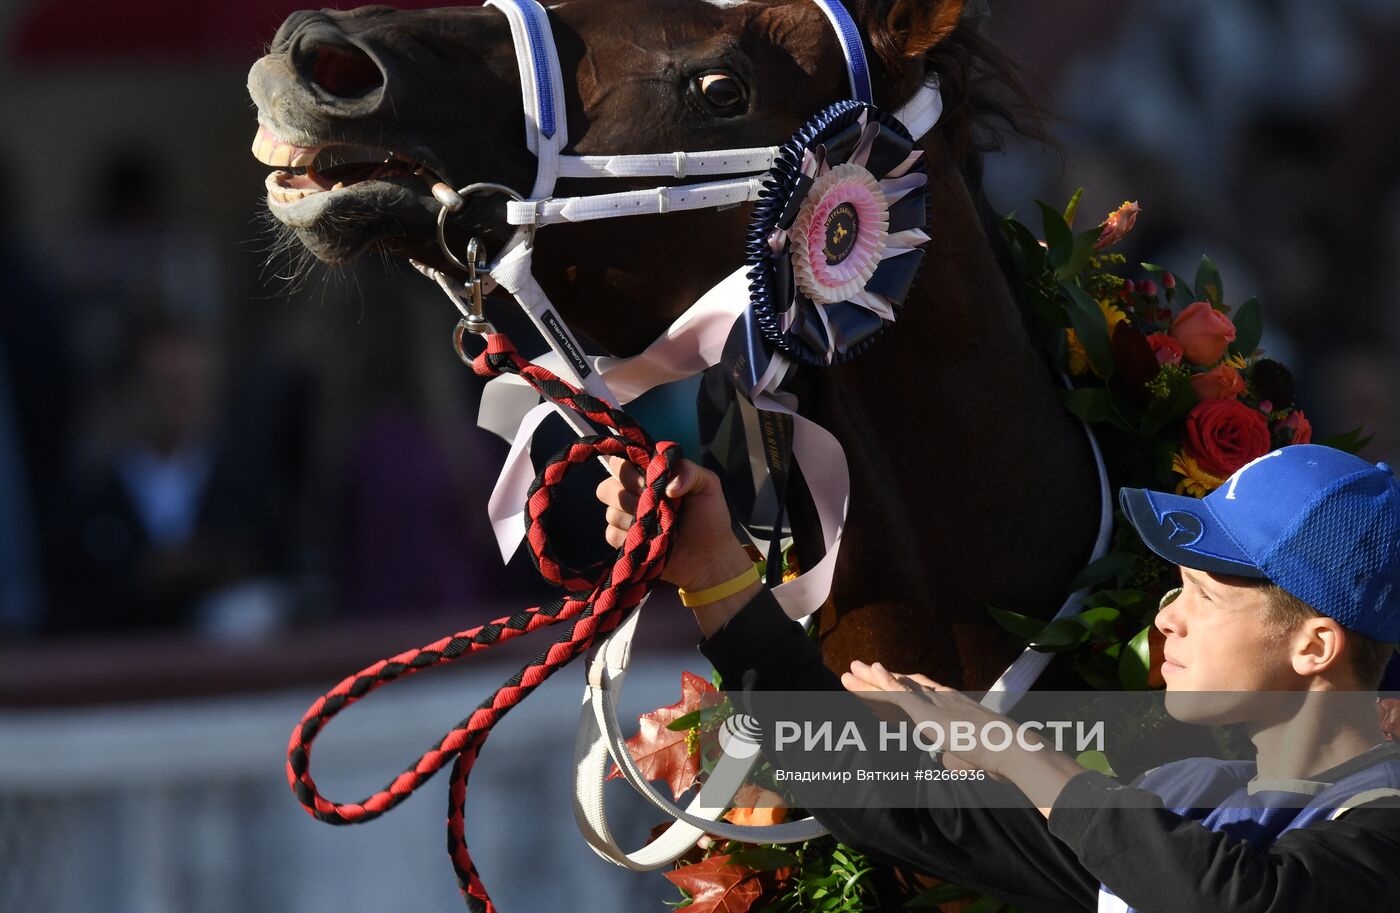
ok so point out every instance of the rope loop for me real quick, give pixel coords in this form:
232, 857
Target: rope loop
596, 600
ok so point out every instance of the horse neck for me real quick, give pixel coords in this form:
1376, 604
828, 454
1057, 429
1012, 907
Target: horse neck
954, 432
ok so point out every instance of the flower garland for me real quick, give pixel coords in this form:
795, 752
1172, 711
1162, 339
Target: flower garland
1173, 382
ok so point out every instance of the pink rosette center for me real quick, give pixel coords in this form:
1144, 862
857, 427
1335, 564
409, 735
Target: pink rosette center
839, 235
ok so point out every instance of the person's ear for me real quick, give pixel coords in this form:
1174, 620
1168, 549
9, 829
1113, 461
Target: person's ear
1317, 646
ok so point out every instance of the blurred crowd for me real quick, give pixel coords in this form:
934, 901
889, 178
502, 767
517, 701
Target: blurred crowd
169, 463
192, 437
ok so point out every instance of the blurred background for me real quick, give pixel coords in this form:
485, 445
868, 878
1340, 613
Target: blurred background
224, 486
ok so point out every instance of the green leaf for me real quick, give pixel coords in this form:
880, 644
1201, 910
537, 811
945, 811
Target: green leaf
1209, 284
1022, 626
687, 721
1249, 328
1099, 620
1052, 313
1087, 669
1089, 323
1058, 237
939, 894
984, 905
1060, 635
1162, 412
1095, 760
1127, 600
1092, 404
1079, 255
1135, 661
1351, 441
763, 858
1022, 240
1073, 207
1112, 565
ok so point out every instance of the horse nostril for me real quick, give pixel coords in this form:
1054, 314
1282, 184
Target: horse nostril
342, 70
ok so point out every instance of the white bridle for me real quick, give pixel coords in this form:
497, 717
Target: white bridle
692, 344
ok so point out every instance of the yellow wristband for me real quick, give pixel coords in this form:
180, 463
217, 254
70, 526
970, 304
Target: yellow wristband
720, 591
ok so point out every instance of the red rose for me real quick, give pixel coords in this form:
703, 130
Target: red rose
1224, 434
1167, 350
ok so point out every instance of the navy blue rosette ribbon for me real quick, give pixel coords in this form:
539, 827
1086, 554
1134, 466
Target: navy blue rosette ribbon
835, 241
834, 244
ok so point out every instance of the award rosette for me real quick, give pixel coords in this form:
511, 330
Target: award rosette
837, 235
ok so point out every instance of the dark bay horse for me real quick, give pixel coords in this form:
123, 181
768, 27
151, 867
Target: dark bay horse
970, 484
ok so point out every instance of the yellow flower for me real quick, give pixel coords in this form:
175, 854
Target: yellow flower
1197, 482
791, 570
1237, 362
1112, 314
1078, 358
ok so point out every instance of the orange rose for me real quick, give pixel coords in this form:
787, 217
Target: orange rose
1204, 333
1220, 382
754, 805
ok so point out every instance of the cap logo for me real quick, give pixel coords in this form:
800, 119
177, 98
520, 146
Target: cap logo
1185, 528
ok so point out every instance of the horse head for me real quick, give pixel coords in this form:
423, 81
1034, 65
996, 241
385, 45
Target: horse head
951, 431
363, 111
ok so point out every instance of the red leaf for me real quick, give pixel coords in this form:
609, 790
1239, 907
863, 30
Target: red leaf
1389, 710
1136, 362
716, 886
661, 753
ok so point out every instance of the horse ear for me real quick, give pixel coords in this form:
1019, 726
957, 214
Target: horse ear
908, 29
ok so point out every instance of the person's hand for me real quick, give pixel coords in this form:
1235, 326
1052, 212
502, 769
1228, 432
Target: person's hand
704, 550
1034, 768
925, 700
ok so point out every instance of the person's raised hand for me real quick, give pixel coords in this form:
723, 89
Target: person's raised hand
926, 700
704, 550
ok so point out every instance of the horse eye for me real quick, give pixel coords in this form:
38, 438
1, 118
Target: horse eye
720, 93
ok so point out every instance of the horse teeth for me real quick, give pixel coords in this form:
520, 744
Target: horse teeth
270, 150
280, 194
338, 185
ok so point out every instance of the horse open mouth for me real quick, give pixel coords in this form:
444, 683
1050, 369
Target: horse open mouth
306, 171
341, 198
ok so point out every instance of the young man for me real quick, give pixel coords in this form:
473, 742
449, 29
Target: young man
1290, 583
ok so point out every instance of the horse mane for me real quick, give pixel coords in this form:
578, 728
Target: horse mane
985, 96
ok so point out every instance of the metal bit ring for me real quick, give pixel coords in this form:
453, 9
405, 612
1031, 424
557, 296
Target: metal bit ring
483, 187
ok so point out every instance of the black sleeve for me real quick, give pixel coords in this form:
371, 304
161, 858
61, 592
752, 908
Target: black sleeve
1160, 862
1006, 852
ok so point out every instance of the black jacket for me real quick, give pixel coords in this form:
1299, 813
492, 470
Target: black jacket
1098, 832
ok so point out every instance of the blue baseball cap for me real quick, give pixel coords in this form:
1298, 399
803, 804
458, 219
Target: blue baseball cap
1320, 523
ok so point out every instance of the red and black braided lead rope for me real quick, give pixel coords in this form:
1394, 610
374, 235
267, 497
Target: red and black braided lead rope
597, 599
